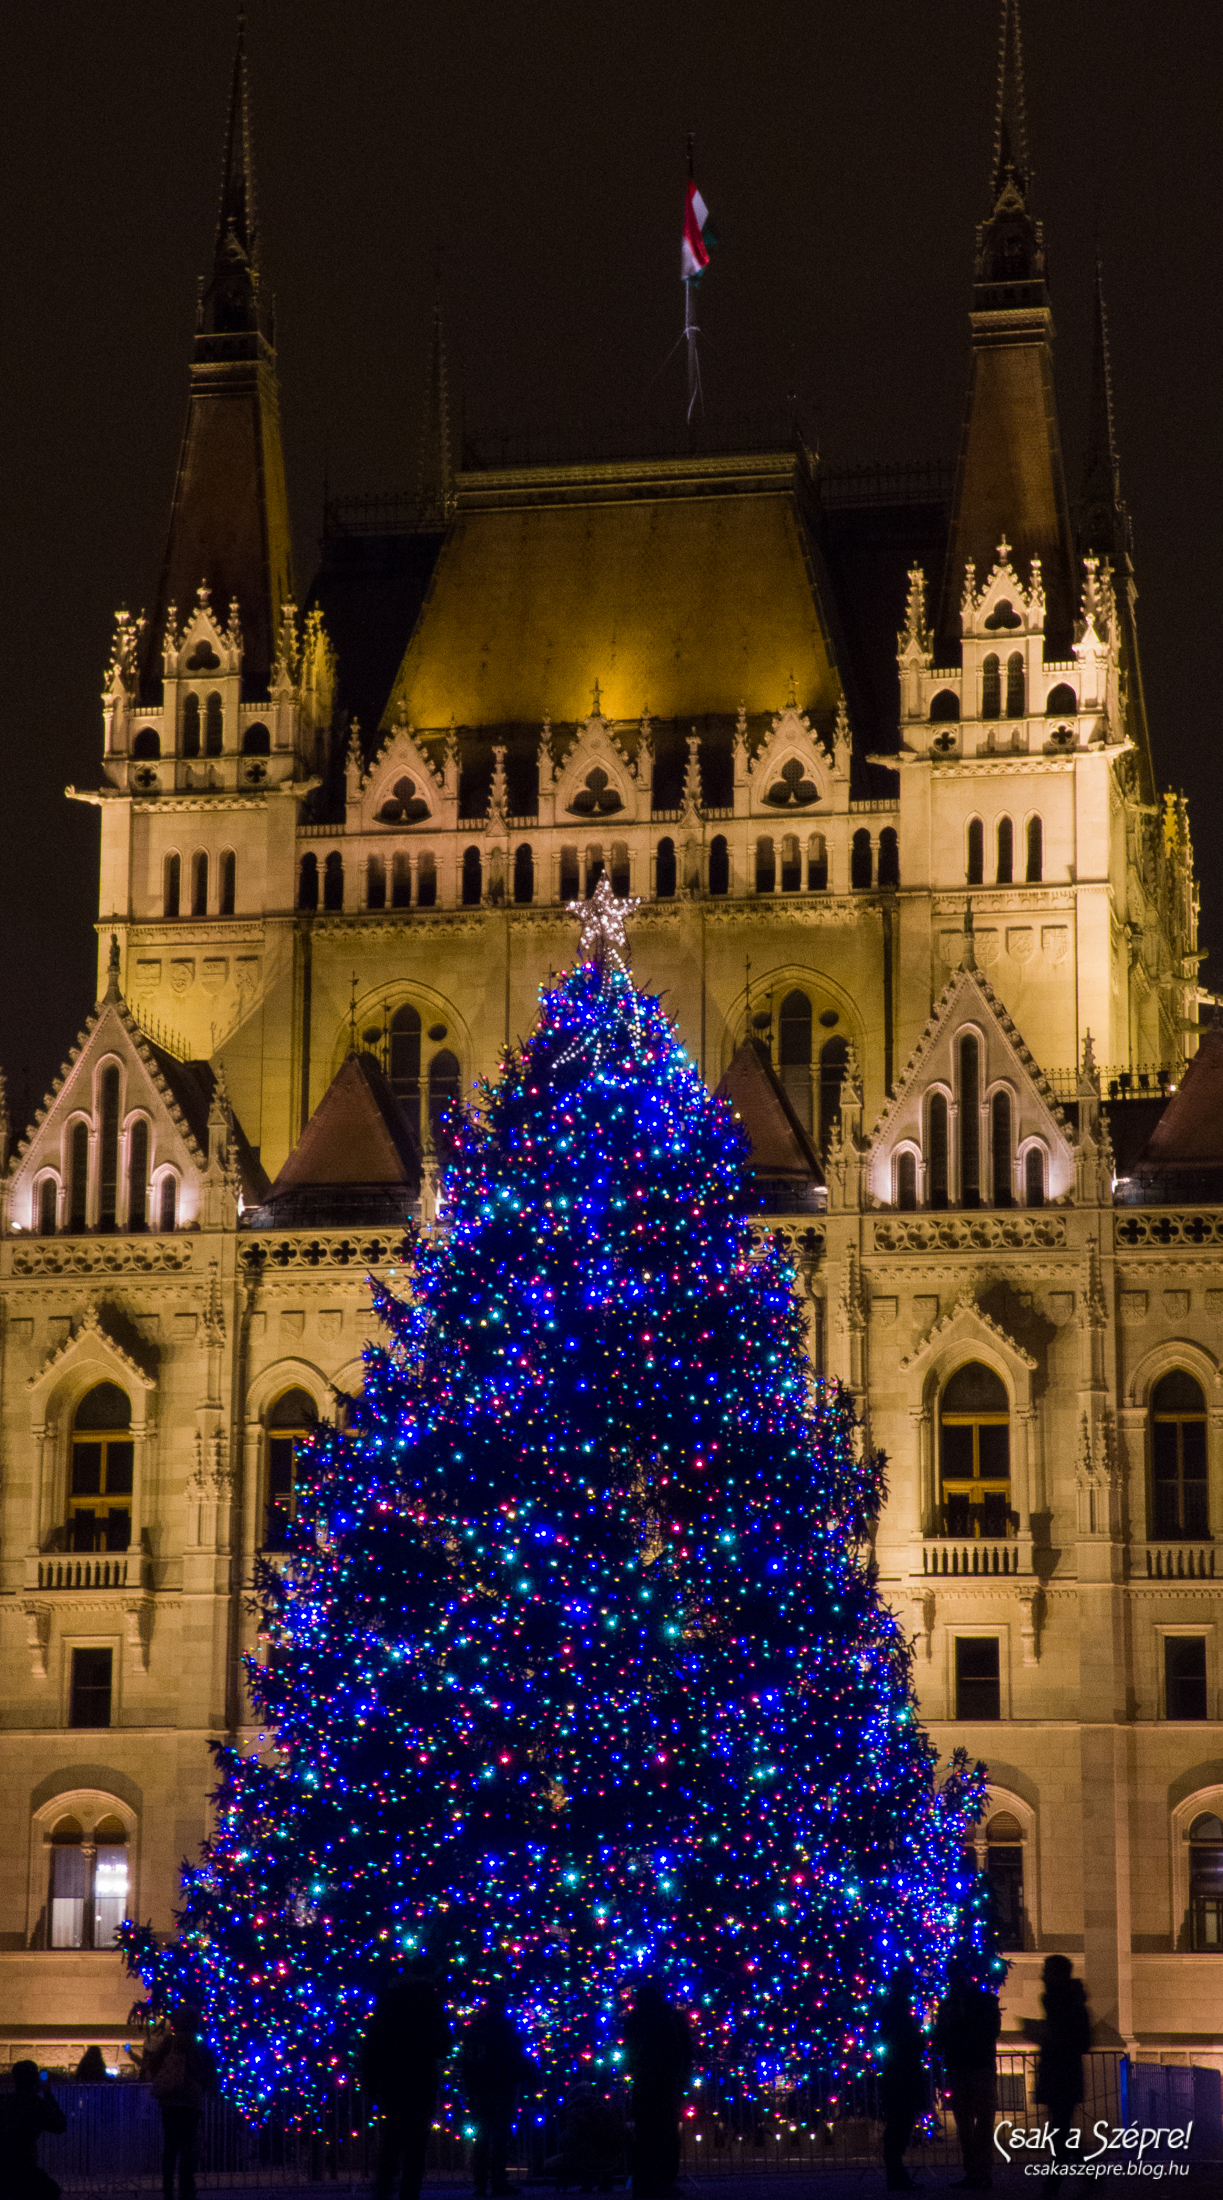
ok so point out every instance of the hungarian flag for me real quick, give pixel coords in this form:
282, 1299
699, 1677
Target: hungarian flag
699, 238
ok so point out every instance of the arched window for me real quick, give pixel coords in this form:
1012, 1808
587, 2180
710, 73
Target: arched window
524, 873
191, 726
443, 1089
172, 886
100, 1493
78, 1176
936, 1150
889, 857
405, 1062
199, 884
791, 864
1016, 685
1001, 1152
138, 1174
944, 707
991, 688
307, 883
473, 878
426, 881
1034, 1177
289, 1424
229, 881
1179, 1492
570, 877
719, 865
594, 868
970, 1120
213, 724
1004, 1863
1061, 701
108, 1146
48, 1202
1036, 851
817, 864
620, 869
256, 741
147, 744
1206, 1883
906, 1180
375, 882
834, 1058
401, 882
167, 1204
333, 881
975, 1452
766, 865
974, 868
87, 1896
860, 860
794, 1053
1006, 851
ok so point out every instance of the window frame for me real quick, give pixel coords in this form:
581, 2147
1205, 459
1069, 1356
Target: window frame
975, 1486
90, 1502
1196, 1631
1181, 1819
980, 1631
271, 1434
1154, 1418
89, 1806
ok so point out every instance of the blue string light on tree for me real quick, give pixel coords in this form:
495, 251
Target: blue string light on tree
576, 1668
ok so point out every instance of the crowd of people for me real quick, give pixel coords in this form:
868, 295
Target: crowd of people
409, 2038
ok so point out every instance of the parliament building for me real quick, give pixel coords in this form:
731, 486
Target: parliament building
872, 750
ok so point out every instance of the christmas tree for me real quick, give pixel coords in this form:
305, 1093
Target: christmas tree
577, 1669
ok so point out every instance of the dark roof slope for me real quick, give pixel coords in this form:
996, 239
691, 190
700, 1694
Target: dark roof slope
1190, 1130
784, 1162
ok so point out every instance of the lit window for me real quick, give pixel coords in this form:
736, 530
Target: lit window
1004, 1863
289, 1424
100, 1498
975, 1453
1206, 1883
89, 1883
1179, 1492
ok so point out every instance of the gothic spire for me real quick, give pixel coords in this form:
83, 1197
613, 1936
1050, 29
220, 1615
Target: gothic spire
1010, 480
1011, 163
1102, 516
230, 298
435, 472
229, 522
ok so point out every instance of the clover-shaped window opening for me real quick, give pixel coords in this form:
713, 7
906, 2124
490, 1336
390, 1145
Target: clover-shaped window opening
403, 806
597, 796
1003, 614
792, 787
203, 658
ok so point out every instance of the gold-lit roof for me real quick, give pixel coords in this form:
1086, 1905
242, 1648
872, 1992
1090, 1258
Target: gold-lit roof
681, 586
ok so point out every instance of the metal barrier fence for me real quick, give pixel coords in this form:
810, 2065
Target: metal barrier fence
113, 2140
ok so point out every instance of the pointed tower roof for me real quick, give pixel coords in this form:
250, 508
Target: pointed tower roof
229, 521
1102, 517
356, 1160
435, 471
1010, 480
783, 1161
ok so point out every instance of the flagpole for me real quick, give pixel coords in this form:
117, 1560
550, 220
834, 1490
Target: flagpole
690, 327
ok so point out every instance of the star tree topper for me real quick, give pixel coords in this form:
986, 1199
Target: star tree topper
603, 919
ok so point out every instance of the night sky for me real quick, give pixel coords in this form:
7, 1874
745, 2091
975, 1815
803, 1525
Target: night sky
844, 154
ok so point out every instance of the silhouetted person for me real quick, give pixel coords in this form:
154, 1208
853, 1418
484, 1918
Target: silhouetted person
965, 2036
902, 2086
1067, 2037
29, 2110
492, 2065
91, 2069
658, 2051
593, 2141
407, 2037
181, 2071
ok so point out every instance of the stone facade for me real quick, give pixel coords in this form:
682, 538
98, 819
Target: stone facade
930, 922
